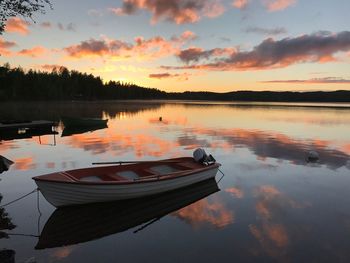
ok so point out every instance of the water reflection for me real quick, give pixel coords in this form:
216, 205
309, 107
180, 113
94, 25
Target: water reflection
270, 145
7, 256
271, 209
69, 131
119, 143
263, 144
5, 221
204, 212
81, 109
15, 134
72, 225
140, 138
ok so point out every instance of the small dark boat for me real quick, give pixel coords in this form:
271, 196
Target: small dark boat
78, 224
69, 122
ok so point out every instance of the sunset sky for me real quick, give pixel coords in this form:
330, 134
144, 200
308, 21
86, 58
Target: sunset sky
178, 45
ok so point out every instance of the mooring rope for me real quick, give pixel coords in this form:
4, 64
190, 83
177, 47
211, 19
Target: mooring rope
37, 202
221, 176
19, 198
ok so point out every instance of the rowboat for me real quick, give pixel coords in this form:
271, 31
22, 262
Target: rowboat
70, 122
83, 223
119, 182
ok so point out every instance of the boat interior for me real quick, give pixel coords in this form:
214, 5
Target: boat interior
130, 172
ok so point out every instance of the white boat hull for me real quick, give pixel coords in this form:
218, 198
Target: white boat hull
64, 194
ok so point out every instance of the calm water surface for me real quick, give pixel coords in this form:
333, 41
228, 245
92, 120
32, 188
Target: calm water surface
272, 205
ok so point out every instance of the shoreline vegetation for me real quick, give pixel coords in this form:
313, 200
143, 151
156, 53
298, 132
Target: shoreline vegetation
62, 84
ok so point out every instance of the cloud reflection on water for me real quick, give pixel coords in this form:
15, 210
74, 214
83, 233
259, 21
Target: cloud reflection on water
263, 144
206, 211
266, 144
270, 230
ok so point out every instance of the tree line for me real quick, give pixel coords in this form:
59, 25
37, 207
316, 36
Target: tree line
63, 84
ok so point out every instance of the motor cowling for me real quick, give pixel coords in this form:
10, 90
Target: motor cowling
201, 156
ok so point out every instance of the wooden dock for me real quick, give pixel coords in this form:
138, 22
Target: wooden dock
40, 124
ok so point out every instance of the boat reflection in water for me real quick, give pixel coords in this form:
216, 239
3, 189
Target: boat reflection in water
78, 224
69, 131
70, 122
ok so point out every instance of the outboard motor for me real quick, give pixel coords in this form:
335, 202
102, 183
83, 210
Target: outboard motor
201, 156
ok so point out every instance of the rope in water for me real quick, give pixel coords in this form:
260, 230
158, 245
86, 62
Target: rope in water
23, 196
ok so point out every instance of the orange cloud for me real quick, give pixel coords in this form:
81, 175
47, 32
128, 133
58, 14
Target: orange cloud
50, 165
5, 46
26, 163
196, 54
325, 80
234, 191
346, 148
318, 48
50, 67
17, 25
155, 47
61, 253
240, 3
140, 144
272, 236
276, 5
203, 212
178, 12
269, 190
182, 76
270, 5
33, 52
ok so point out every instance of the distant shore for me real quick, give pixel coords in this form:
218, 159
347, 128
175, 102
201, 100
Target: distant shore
64, 85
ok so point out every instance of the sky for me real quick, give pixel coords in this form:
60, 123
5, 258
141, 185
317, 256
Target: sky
188, 45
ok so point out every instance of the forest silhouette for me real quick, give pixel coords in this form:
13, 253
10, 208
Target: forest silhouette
63, 84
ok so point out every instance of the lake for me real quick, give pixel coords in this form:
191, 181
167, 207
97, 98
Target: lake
272, 205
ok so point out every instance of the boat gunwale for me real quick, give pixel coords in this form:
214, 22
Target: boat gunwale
152, 179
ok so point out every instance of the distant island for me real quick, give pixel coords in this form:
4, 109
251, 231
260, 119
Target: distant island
63, 84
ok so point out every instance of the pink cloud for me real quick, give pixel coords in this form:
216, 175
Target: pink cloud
33, 52
5, 46
240, 3
196, 54
183, 76
318, 48
326, 80
142, 48
266, 31
50, 67
184, 37
236, 192
270, 5
177, 11
276, 5
17, 25
46, 25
